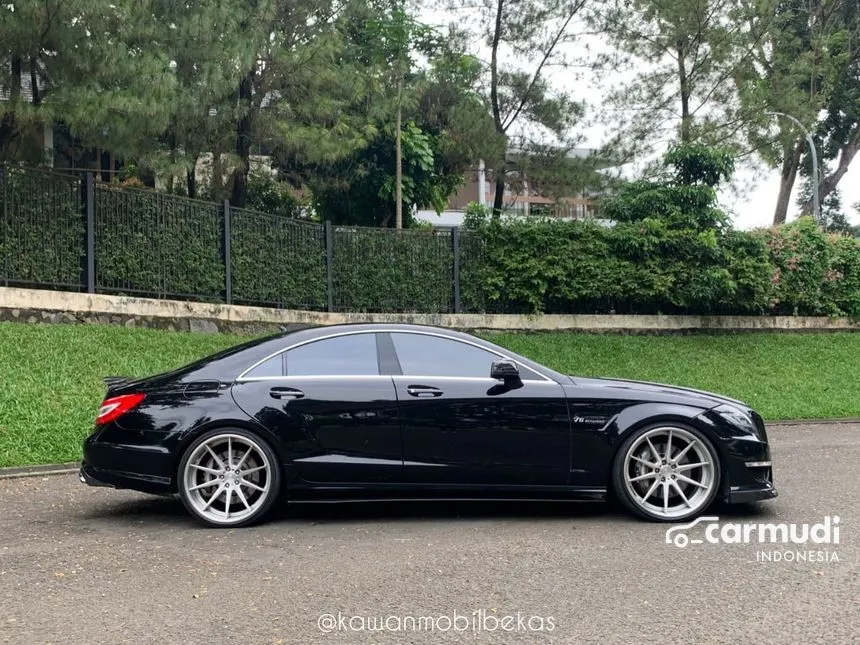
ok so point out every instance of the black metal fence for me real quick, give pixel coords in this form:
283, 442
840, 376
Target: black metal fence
68, 232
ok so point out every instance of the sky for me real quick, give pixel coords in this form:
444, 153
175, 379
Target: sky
751, 199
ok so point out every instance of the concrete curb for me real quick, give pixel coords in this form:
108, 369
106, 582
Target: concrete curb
16, 472
41, 305
813, 422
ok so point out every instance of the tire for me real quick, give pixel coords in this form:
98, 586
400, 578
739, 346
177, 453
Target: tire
662, 489
229, 478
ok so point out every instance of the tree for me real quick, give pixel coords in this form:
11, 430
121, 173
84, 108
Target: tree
297, 81
447, 129
833, 217
533, 32
683, 53
840, 129
793, 71
61, 47
205, 47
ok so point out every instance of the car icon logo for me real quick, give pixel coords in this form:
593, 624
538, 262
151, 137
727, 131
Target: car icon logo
677, 536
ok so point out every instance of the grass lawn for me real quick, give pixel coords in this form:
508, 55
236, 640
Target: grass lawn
51, 375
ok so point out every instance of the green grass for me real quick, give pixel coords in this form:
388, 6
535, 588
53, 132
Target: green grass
783, 376
51, 375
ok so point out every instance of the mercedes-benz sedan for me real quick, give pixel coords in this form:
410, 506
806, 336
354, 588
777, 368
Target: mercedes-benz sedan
372, 411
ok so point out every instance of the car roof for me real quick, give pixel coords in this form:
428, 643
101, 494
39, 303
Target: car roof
228, 364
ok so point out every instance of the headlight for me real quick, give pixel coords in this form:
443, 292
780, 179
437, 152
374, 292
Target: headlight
737, 418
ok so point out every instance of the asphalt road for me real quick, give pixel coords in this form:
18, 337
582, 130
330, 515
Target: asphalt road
84, 565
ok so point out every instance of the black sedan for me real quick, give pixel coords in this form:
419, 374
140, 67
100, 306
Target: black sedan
362, 412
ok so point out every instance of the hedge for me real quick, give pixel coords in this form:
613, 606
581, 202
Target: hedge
164, 246
633, 268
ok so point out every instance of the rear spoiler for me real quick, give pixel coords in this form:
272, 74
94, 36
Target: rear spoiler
113, 381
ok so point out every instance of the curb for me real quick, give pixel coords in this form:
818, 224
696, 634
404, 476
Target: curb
813, 422
17, 472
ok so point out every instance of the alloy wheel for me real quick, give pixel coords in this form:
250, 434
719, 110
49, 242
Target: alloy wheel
228, 479
670, 473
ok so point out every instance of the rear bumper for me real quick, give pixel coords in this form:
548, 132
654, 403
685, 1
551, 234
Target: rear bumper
101, 477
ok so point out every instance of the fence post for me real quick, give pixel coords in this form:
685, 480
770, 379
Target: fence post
228, 256
91, 233
329, 252
6, 252
455, 248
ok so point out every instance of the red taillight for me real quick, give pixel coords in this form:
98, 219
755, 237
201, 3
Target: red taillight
116, 406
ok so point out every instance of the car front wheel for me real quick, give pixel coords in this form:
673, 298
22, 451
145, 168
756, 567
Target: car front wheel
229, 478
666, 473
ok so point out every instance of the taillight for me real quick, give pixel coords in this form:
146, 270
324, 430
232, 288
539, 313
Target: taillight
116, 406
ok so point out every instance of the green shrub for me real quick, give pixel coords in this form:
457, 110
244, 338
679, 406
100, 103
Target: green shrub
277, 261
41, 228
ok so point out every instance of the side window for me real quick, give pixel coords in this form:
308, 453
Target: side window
271, 367
422, 355
352, 355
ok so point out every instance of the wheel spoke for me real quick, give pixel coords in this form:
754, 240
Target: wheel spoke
230, 453
681, 493
651, 490
683, 452
641, 477
682, 468
211, 471
211, 482
242, 498
215, 496
215, 457
669, 446
228, 497
251, 470
687, 480
653, 449
245, 482
665, 497
642, 461
241, 463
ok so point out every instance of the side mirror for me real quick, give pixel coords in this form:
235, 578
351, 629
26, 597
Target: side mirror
505, 370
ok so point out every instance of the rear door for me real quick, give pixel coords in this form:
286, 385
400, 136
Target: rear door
331, 407
462, 427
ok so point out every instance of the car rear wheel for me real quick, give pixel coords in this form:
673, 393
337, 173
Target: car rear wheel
666, 473
229, 478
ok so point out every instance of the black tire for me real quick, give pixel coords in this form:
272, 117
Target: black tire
257, 503
620, 484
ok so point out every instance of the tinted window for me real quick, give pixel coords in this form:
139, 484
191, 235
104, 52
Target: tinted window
272, 367
421, 355
353, 355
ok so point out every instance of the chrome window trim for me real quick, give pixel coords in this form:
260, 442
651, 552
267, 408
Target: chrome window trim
242, 378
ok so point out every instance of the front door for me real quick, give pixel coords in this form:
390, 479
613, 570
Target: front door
462, 427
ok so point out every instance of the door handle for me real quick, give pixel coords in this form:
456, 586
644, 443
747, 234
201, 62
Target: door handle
423, 391
285, 393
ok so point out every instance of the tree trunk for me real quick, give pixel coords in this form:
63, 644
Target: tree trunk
398, 188
790, 164
9, 123
191, 180
498, 173
686, 118
831, 181
238, 197
499, 197
216, 182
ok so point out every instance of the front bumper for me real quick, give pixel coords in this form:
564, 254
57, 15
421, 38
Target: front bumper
738, 495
